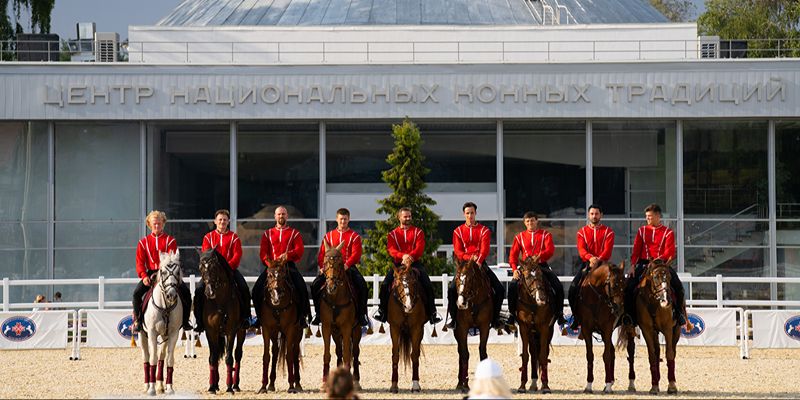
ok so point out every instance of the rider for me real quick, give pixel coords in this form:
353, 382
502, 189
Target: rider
227, 244
595, 243
537, 244
654, 241
406, 244
282, 242
471, 242
351, 254
147, 260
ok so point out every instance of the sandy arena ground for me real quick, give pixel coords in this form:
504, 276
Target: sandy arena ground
710, 372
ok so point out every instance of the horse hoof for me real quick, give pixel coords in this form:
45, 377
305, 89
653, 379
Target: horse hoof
169, 392
263, 390
291, 390
546, 390
271, 387
230, 390
522, 389
631, 387
672, 388
151, 392
654, 390
393, 389
415, 387
300, 388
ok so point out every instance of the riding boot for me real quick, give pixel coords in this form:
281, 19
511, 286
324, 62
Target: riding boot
244, 298
558, 292
513, 290
630, 295
498, 293
316, 288
138, 295
680, 297
186, 302
452, 307
199, 300
383, 296
361, 295
258, 296
572, 297
304, 305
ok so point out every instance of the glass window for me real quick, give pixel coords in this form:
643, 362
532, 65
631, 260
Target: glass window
278, 164
356, 155
23, 171
462, 153
189, 169
787, 169
544, 168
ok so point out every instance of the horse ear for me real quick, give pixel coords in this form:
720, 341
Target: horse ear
339, 247
178, 254
622, 265
670, 261
327, 247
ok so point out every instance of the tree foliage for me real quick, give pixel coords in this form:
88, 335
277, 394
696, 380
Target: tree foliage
675, 10
39, 10
761, 22
406, 178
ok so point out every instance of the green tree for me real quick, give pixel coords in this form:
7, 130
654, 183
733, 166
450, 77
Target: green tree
675, 10
39, 10
406, 178
770, 27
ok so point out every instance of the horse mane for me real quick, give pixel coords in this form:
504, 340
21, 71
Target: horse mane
221, 261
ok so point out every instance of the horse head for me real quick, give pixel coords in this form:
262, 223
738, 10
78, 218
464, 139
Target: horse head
533, 281
615, 286
469, 281
215, 272
333, 268
277, 284
405, 286
657, 277
169, 276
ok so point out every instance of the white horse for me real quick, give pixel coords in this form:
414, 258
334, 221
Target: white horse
162, 320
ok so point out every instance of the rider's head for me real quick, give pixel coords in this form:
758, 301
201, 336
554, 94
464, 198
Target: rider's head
342, 219
404, 216
281, 215
156, 221
470, 212
221, 220
531, 221
652, 214
595, 214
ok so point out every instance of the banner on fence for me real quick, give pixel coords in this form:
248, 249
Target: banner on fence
34, 330
776, 329
109, 328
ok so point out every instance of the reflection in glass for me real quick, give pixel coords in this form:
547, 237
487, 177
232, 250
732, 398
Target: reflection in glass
23, 171
544, 168
356, 155
460, 152
787, 169
727, 261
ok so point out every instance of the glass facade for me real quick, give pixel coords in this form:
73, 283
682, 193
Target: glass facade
711, 177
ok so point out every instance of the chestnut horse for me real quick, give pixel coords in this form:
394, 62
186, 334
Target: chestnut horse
338, 316
536, 319
280, 328
600, 306
474, 309
407, 318
222, 319
655, 300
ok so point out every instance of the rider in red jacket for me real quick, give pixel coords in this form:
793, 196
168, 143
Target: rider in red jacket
595, 244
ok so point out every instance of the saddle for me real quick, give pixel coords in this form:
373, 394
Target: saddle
148, 295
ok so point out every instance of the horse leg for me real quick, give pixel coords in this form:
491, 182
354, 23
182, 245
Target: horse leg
631, 372
533, 348
292, 336
587, 338
416, 350
146, 359
229, 361
671, 350
326, 355
356, 337
170, 361
484, 339
608, 358
264, 361
237, 360
395, 332
653, 349
296, 360
276, 349
347, 348
544, 353
525, 338
153, 344
463, 358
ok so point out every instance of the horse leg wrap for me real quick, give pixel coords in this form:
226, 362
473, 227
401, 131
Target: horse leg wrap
671, 370
544, 374
229, 376
212, 370
236, 374
147, 372
160, 373
325, 370
395, 374
655, 374
152, 374
169, 375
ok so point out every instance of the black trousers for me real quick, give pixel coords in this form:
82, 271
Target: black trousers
633, 282
572, 294
241, 287
300, 287
498, 293
555, 286
141, 290
359, 284
424, 282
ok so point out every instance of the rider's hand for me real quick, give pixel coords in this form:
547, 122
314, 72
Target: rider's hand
474, 259
407, 259
283, 257
146, 281
594, 262
516, 275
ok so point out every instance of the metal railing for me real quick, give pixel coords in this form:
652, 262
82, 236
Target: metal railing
413, 52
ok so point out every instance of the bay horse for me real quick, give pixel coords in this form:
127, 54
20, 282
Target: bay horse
162, 319
280, 328
338, 316
221, 314
407, 317
536, 319
600, 306
654, 312
474, 309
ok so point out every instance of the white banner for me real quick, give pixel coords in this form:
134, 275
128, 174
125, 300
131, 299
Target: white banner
109, 328
712, 327
777, 329
34, 330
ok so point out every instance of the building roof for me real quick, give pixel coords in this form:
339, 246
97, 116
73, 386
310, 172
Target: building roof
405, 12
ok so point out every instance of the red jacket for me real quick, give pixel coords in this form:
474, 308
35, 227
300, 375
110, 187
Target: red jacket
653, 242
472, 241
595, 242
409, 241
228, 245
147, 258
351, 249
538, 242
275, 242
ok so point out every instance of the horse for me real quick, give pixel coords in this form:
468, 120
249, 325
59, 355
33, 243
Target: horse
654, 311
474, 309
600, 306
222, 320
281, 329
407, 317
338, 316
536, 319
162, 318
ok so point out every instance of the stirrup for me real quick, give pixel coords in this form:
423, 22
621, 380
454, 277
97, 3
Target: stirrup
379, 316
315, 321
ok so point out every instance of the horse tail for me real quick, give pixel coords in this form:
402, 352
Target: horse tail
623, 336
221, 342
282, 350
405, 347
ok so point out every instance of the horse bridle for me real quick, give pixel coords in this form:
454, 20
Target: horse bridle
608, 294
274, 277
535, 272
173, 270
401, 280
659, 282
334, 282
461, 277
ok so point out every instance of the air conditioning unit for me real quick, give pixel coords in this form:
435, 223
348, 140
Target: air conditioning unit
37, 47
709, 46
105, 46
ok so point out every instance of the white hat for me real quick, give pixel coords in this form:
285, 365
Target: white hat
488, 369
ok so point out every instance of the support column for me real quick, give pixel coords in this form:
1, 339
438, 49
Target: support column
323, 194
501, 198
773, 212
679, 196
234, 173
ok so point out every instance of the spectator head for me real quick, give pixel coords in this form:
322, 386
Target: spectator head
340, 384
57, 296
39, 298
489, 382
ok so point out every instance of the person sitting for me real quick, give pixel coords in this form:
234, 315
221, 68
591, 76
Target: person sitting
595, 243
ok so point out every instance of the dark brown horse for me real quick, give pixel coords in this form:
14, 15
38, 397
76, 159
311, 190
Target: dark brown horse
536, 319
222, 320
654, 311
407, 318
338, 316
475, 308
600, 307
280, 328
